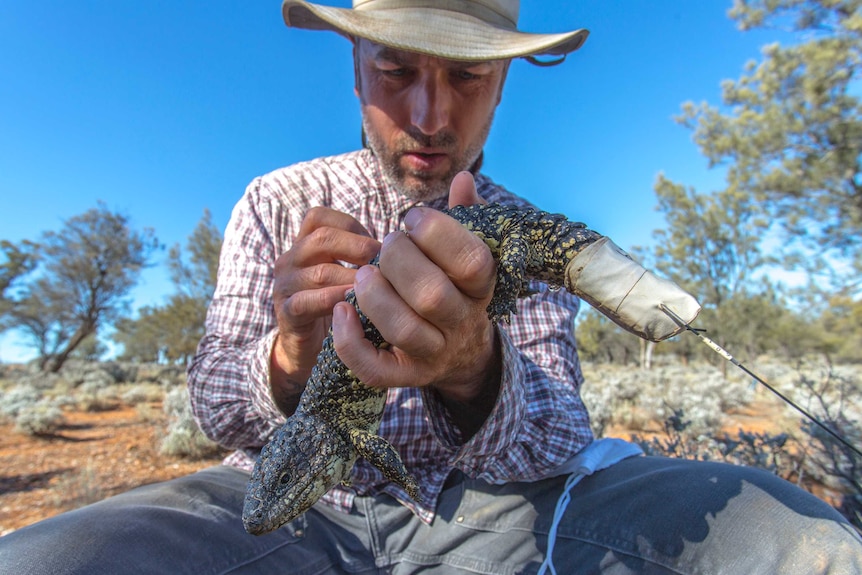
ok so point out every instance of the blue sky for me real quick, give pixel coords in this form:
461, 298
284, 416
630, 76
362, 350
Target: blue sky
163, 109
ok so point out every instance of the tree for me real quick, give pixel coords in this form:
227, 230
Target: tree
18, 261
163, 333
602, 341
710, 247
140, 338
197, 277
91, 349
790, 131
85, 272
172, 332
841, 329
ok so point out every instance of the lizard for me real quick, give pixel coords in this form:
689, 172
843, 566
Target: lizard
338, 416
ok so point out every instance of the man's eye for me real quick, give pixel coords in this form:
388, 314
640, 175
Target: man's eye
394, 72
465, 75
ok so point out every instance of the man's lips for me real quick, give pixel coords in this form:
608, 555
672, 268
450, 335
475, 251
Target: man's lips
424, 159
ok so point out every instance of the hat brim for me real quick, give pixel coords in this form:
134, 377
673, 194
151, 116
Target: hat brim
442, 33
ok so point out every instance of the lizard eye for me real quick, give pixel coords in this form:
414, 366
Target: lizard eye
284, 478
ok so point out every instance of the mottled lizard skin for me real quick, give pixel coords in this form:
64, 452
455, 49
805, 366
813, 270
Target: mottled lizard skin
338, 416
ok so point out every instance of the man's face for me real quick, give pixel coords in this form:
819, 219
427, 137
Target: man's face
425, 118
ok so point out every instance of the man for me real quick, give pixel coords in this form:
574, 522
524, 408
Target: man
487, 417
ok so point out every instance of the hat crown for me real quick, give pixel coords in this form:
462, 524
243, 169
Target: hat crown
493, 11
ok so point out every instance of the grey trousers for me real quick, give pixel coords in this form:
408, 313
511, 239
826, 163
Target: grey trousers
642, 515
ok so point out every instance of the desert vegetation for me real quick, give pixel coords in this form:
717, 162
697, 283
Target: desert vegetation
696, 412
691, 411
89, 431
35, 402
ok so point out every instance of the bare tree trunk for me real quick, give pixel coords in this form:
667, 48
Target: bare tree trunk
54, 363
647, 348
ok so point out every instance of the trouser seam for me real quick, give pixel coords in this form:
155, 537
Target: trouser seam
378, 553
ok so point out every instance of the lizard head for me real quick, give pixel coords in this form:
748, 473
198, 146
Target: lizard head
304, 460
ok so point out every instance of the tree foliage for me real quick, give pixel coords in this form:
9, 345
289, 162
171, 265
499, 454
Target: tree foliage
840, 329
711, 243
18, 261
790, 129
171, 332
84, 274
789, 134
600, 340
196, 278
711, 247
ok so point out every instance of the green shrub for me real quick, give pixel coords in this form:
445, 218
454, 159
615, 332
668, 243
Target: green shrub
142, 393
16, 399
184, 438
31, 412
39, 419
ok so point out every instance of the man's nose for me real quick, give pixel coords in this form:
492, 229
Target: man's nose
431, 103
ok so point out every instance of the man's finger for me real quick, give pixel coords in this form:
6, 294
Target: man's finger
373, 367
306, 306
462, 191
330, 245
322, 217
462, 256
401, 324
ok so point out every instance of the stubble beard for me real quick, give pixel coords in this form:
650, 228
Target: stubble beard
416, 185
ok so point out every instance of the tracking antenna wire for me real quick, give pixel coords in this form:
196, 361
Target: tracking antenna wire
723, 353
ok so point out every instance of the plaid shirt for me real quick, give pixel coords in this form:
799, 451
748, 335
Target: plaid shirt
539, 421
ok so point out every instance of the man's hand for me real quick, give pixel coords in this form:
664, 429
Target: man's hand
428, 299
308, 282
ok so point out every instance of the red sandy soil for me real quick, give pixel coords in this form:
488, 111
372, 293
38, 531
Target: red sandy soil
93, 456
99, 454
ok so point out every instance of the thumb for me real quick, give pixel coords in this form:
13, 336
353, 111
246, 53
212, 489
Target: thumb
462, 191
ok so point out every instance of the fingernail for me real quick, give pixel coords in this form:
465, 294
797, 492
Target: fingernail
362, 274
413, 217
339, 316
337, 313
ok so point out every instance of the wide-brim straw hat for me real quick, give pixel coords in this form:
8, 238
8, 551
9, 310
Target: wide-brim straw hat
471, 30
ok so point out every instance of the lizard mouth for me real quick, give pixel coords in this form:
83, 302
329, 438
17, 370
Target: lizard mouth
260, 517
254, 517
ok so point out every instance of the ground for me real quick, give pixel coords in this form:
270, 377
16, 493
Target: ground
93, 456
102, 453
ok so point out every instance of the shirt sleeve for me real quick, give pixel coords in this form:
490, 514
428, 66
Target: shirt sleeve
229, 377
539, 420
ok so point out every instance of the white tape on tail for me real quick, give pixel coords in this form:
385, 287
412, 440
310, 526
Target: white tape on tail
608, 279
